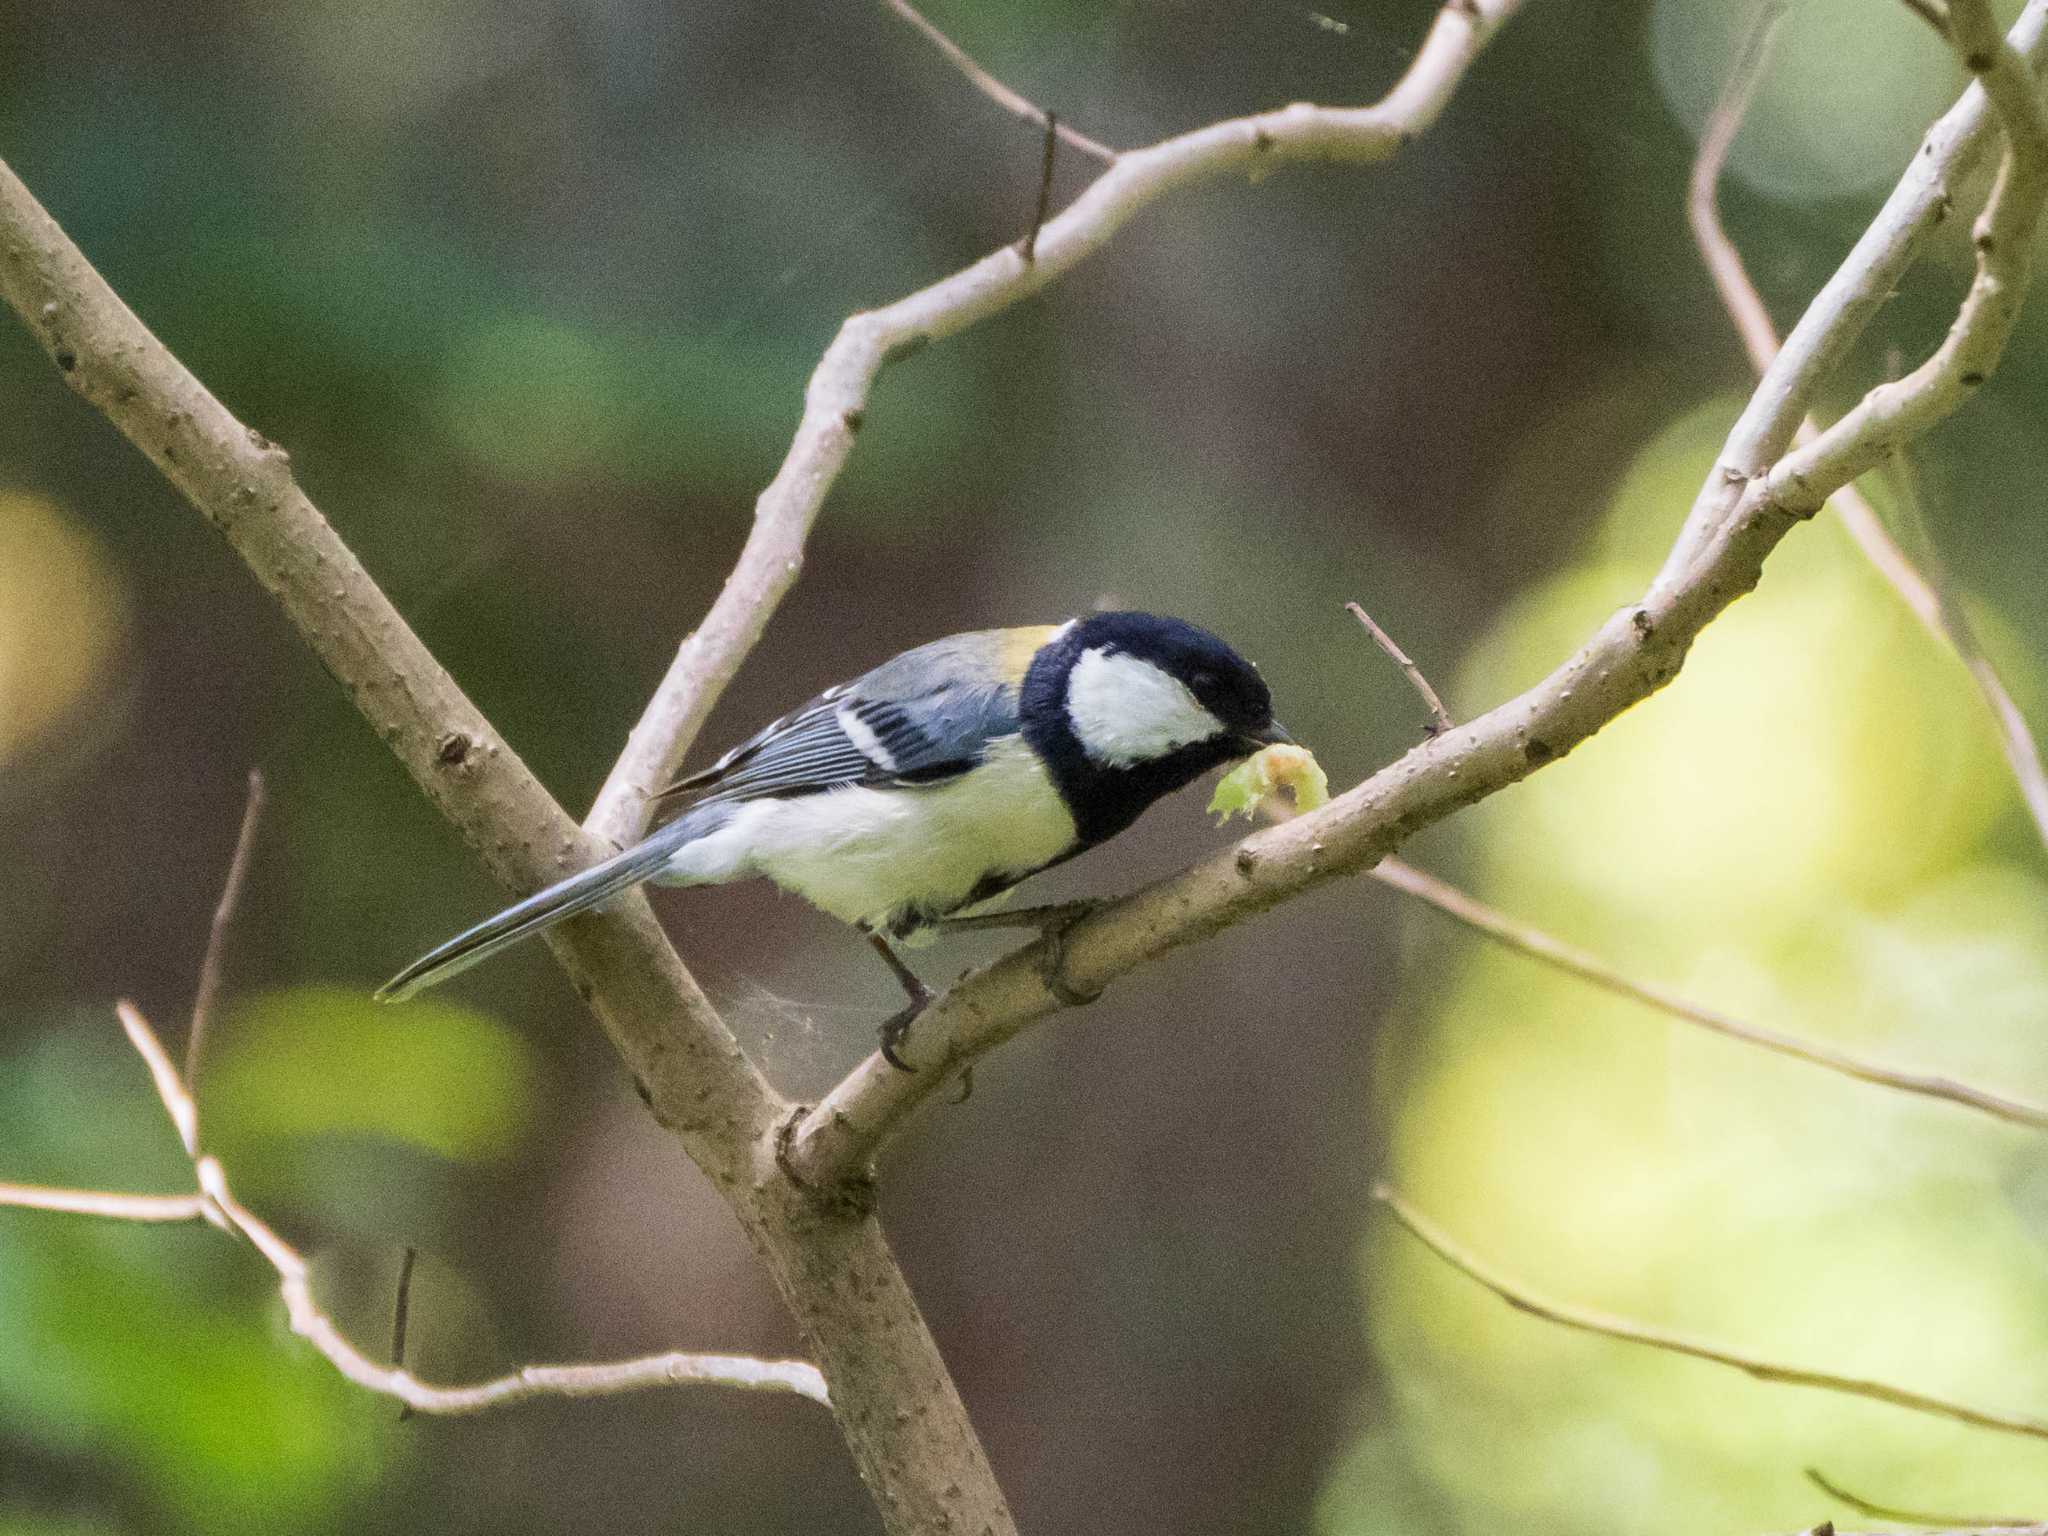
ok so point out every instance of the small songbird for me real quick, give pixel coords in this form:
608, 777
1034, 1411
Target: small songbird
919, 793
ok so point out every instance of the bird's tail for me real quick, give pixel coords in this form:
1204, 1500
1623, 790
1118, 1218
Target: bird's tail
543, 909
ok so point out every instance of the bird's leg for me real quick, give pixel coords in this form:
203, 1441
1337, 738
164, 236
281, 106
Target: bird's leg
897, 1025
1052, 922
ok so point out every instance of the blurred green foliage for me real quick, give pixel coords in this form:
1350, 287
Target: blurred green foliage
1801, 834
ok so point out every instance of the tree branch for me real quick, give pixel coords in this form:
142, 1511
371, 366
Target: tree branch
1538, 945
835, 402
1439, 718
215, 1203
1633, 654
833, 1268
1938, 613
208, 989
1585, 1320
994, 89
1837, 315
1864, 1506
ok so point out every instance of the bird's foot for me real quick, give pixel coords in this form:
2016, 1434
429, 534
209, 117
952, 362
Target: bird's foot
897, 1025
1052, 923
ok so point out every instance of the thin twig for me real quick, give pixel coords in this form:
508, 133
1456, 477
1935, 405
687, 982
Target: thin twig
1933, 12
1924, 592
1538, 945
1439, 718
1864, 1506
1702, 204
208, 990
1029, 246
401, 1309
215, 1203
994, 89
105, 1203
1628, 1331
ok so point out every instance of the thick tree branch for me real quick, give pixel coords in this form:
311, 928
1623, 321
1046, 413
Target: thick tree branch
1538, 945
1633, 654
215, 1203
833, 1268
836, 400
1585, 1320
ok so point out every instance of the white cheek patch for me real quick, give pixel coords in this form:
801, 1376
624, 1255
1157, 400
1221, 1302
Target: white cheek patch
1126, 711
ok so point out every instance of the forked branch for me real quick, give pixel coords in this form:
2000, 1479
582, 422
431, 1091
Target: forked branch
215, 1203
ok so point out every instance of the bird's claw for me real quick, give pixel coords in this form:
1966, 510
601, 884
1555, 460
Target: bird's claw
896, 1026
1052, 964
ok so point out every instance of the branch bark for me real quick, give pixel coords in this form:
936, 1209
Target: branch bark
1751, 500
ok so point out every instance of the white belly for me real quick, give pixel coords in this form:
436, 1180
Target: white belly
867, 855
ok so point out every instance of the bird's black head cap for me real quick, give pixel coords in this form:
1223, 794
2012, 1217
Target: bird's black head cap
1105, 798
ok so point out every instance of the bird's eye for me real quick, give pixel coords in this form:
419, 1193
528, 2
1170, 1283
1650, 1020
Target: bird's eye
1202, 682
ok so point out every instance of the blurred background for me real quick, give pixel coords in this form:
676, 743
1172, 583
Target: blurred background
530, 289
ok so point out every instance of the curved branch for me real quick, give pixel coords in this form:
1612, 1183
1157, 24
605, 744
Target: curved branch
1921, 591
1633, 654
1836, 317
1514, 934
925, 1468
213, 1202
997, 92
1585, 1320
836, 399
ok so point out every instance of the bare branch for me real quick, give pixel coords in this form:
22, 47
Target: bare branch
208, 990
924, 1465
401, 1312
1538, 945
1837, 315
994, 89
1702, 204
1939, 614
1585, 1320
1439, 717
1892, 414
1028, 248
835, 402
1863, 1506
1635, 653
215, 1203
104, 1203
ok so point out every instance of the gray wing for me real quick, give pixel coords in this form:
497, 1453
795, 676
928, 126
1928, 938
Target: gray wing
893, 726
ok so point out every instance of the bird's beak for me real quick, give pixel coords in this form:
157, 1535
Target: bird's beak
1274, 735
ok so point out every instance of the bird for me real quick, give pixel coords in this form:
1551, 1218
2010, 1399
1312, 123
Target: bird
913, 798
